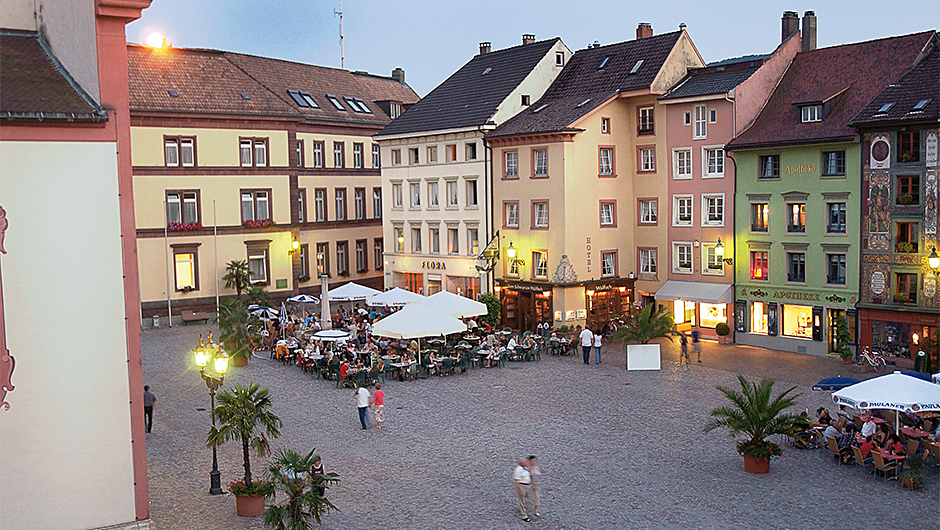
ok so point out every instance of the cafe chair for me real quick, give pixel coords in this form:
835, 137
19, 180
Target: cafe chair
859, 461
880, 465
911, 446
833, 445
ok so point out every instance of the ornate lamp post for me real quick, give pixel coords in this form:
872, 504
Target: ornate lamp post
213, 363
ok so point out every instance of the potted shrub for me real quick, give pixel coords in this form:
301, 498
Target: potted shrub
492, 308
904, 246
244, 414
905, 199
913, 476
752, 412
722, 330
901, 297
644, 327
296, 477
842, 341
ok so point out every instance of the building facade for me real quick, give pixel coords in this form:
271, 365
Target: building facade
255, 159
437, 172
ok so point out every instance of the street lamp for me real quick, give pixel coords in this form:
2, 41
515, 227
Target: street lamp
933, 260
720, 252
294, 246
213, 363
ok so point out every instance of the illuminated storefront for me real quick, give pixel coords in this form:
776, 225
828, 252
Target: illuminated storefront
525, 305
697, 305
778, 323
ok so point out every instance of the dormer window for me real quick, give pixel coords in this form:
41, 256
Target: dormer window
525, 100
559, 58
812, 113
636, 67
335, 102
886, 107
604, 62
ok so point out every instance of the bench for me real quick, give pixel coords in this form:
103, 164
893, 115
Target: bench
193, 316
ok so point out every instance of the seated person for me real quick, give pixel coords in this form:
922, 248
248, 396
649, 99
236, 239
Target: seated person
343, 370
936, 434
881, 435
869, 427
845, 419
894, 445
378, 366
823, 417
528, 342
866, 448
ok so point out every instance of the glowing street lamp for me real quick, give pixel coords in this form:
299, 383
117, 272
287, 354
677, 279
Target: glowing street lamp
933, 260
511, 251
212, 362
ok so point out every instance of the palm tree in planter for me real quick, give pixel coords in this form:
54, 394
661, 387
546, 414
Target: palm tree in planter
238, 329
753, 413
644, 327
237, 276
245, 416
296, 476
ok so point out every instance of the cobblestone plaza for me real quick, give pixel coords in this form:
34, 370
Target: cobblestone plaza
617, 449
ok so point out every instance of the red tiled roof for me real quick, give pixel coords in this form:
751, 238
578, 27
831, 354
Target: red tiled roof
921, 84
847, 77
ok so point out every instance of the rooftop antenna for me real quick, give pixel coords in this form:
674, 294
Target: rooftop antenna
341, 53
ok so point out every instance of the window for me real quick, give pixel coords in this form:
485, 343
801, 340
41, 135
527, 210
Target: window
540, 214
682, 164
812, 113
253, 152
319, 204
921, 104
539, 163
396, 157
342, 258
609, 263
797, 217
376, 203
473, 241
908, 189
605, 125
341, 204
415, 194
700, 128
644, 124
302, 205
360, 203
450, 151
362, 260
512, 268
433, 200
605, 164
682, 209
647, 159
648, 214
318, 154
713, 161
378, 249
412, 155
299, 153
906, 292
357, 156
686, 118
712, 115
432, 154
255, 205
472, 196
797, 321
416, 240
759, 265
302, 99
304, 252
796, 267
648, 261
760, 217
559, 58
179, 151
335, 102
833, 163
182, 207
323, 262
398, 233
185, 265
260, 152
609, 213
539, 265
836, 271
769, 167
604, 62
434, 234
526, 100
511, 214
258, 264
713, 263
353, 104
453, 243
470, 151
836, 224
376, 157
396, 195
906, 237
682, 258
451, 193
339, 154
394, 110
511, 164
244, 153
713, 210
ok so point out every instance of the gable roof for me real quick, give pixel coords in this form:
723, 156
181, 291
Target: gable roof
918, 84
35, 86
471, 95
591, 77
716, 79
842, 78
225, 83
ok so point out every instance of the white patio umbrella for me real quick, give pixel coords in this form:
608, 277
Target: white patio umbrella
261, 311
455, 305
891, 391
331, 335
416, 321
395, 297
352, 291
303, 299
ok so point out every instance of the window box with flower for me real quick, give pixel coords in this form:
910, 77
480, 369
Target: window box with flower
261, 223
183, 227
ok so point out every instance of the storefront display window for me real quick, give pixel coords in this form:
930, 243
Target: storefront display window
711, 315
798, 321
410, 281
759, 317
683, 311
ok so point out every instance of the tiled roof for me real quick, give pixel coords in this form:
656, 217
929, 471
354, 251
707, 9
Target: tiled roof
583, 84
35, 86
920, 83
471, 97
224, 83
846, 77
712, 80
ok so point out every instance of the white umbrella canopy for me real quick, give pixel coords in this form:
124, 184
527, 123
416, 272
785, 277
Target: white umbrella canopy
352, 291
303, 299
895, 391
395, 297
415, 321
330, 335
455, 305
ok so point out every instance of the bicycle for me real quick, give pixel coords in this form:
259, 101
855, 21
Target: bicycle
872, 361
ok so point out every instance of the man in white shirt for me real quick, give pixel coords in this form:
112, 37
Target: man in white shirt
587, 341
523, 483
362, 401
869, 427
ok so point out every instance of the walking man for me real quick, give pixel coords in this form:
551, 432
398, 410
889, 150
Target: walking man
684, 348
362, 401
149, 400
523, 483
696, 345
536, 476
587, 340
378, 405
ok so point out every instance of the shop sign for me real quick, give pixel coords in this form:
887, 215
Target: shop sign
582, 314
799, 169
796, 295
605, 287
557, 316
570, 315
529, 288
435, 265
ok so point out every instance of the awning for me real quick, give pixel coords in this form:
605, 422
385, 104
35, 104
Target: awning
710, 293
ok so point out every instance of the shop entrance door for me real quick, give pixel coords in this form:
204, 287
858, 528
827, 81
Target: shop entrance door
831, 317
526, 316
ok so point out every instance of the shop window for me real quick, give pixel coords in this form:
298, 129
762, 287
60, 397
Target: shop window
798, 321
759, 265
908, 190
906, 240
683, 311
759, 318
710, 315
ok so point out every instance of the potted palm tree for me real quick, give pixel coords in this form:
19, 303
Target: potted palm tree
296, 477
244, 414
753, 413
237, 276
238, 329
644, 327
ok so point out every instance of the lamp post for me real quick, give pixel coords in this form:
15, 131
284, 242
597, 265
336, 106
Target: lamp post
213, 363
720, 252
933, 260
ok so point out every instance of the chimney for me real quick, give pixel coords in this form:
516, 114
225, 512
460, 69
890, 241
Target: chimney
682, 26
790, 25
398, 75
597, 44
528, 38
809, 31
485, 48
644, 30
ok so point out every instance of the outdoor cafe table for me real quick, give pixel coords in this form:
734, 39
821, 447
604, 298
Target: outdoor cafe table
914, 433
898, 458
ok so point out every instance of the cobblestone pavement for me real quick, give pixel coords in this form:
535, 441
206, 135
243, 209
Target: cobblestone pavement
616, 449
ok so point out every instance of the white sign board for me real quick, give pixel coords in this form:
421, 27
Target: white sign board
643, 357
